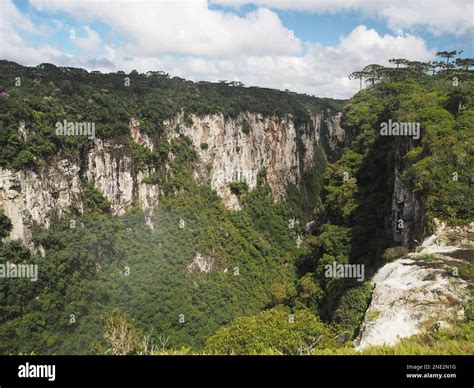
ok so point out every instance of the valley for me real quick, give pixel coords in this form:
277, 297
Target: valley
209, 214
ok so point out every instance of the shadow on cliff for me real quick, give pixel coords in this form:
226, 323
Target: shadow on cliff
371, 229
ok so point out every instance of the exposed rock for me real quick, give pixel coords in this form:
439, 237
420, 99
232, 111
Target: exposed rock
22, 131
407, 222
29, 196
201, 263
408, 298
40, 196
137, 136
299, 241
406, 214
112, 173
415, 292
233, 154
447, 239
393, 253
310, 227
335, 134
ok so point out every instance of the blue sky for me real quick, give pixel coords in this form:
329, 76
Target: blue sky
302, 45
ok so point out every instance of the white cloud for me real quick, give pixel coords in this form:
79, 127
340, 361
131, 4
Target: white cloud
252, 56
91, 42
185, 27
438, 16
14, 48
321, 71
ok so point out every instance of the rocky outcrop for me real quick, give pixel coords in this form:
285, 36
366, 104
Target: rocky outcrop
47, 193
113, 174
407, 223
29, 196
229, 150
237, 150
203, 264
420, 290
406, 213
335, 134
137, 136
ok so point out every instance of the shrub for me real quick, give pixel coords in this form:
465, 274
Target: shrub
394, 253
246, 127
238, 188
351, 308
272, 331
5, 225
94, 200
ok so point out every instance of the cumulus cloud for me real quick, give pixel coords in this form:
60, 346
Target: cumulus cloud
321, 71
221, 46
186, 27
91, 42
438, 16
13, 47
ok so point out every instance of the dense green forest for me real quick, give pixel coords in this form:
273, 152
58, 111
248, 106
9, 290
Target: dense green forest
43, 95
266, 294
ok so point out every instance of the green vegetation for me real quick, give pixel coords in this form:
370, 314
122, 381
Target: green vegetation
5, 225
48, 94
94, 201
246, 127
455, 340
238, 188
246, 336
85, 273
272, 331
264, 293
356, 200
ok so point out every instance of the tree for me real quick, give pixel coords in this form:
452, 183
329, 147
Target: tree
5, 225
275, 331
435, 66
124, 338
351, 308
448, 54
360, 75
398, 61
373, 73
465, 63
417, 68
309, 292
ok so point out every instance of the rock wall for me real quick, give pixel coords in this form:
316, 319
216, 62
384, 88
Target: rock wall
420, 290
113, 174
234, 150
407, 222
39, 196
229, 150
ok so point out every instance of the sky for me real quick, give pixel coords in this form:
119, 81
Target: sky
307, 46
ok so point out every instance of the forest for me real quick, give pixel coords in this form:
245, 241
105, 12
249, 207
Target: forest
101, 292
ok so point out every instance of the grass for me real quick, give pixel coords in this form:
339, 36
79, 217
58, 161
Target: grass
455, 340
373, 315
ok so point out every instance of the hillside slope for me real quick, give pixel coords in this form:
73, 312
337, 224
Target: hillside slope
139, 215
207, 214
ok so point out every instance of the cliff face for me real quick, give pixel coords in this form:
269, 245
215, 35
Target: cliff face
420, 290
229, 150
29, 197
113, 174
236, 150
407, 223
